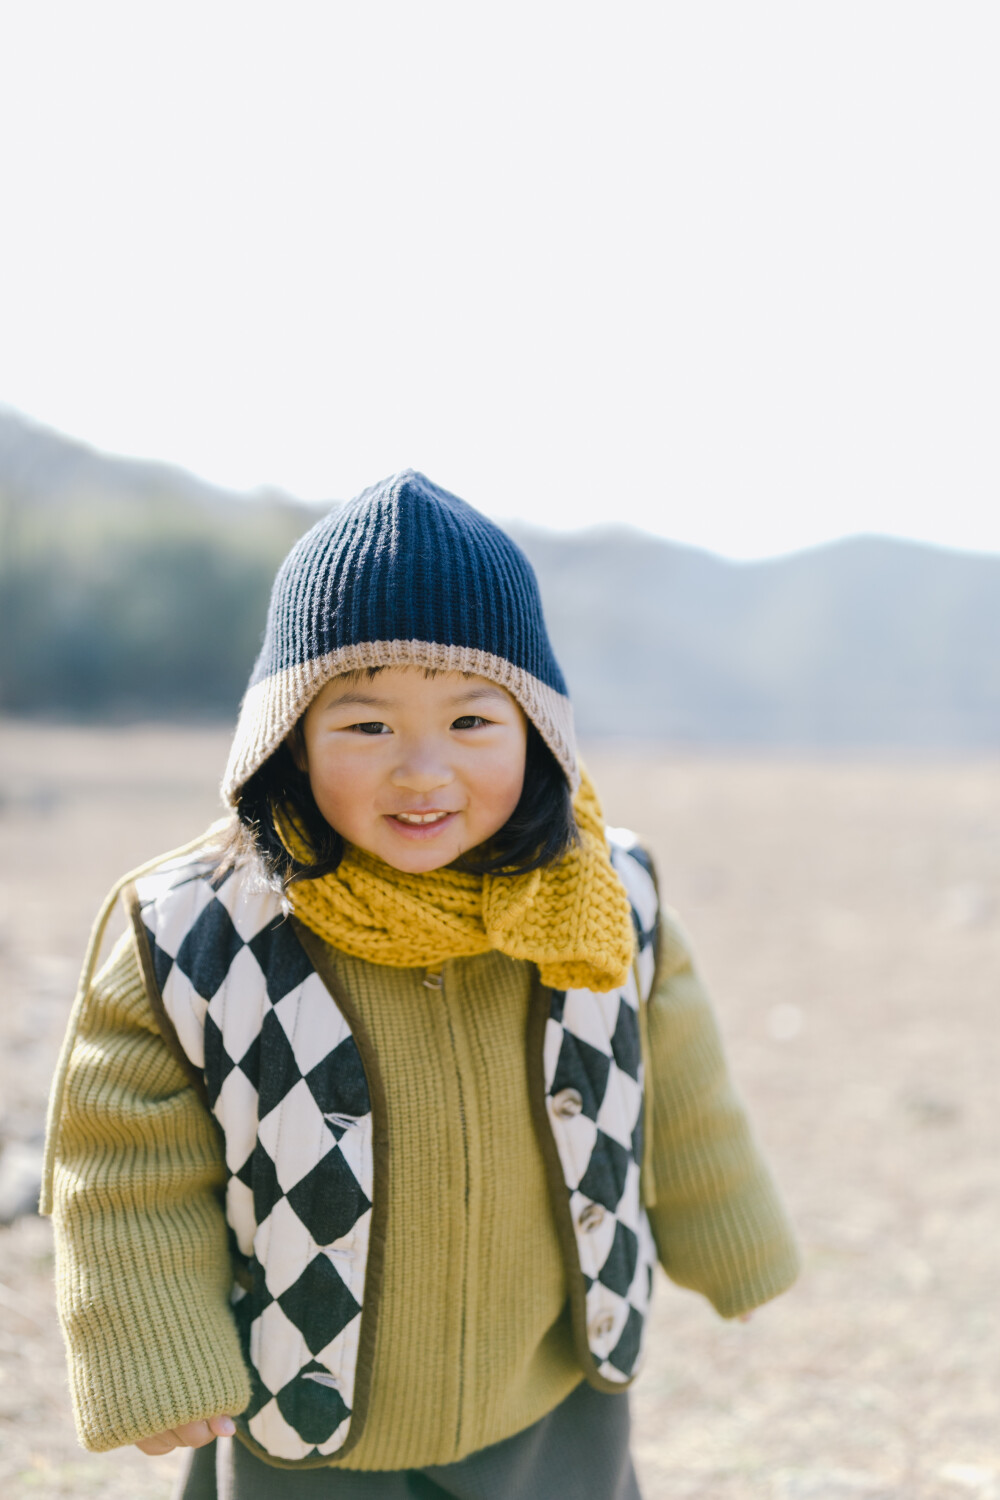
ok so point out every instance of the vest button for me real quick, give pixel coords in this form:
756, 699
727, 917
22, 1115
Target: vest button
567, 1103
601, 1326
591, 1216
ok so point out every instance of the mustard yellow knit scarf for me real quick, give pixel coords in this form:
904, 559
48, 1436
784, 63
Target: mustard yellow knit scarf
572, 918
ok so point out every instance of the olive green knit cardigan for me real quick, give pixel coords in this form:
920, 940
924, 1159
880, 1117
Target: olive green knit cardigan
473, 1340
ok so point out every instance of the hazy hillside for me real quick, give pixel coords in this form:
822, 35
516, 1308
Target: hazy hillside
869, 641
44, 468
128, 589
134, 590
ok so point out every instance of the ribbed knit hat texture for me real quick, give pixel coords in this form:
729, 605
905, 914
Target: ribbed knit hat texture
406, 574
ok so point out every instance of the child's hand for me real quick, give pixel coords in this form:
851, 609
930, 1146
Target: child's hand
188, 1435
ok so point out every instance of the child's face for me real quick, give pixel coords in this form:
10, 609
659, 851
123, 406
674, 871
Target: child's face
416, 770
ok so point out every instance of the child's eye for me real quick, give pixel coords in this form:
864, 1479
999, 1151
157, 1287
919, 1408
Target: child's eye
371, 726
469, 721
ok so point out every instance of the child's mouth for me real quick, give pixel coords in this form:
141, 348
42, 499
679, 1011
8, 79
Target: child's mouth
420, 823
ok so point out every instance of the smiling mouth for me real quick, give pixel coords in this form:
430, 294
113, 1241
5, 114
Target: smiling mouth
420, 820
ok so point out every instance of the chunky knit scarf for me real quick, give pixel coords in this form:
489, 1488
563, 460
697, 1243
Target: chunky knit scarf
571, 918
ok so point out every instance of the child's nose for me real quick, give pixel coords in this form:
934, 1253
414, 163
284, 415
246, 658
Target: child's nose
421, 770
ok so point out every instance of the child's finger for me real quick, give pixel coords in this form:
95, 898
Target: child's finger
187, 1435
196, 1434
160, 1442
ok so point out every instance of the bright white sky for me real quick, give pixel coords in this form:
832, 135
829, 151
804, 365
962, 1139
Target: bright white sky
726, 271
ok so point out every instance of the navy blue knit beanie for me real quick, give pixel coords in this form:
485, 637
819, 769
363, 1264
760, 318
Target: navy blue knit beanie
405, 575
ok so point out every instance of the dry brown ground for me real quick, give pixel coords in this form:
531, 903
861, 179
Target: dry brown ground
847, 917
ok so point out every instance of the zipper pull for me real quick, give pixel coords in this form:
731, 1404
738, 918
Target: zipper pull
433, 980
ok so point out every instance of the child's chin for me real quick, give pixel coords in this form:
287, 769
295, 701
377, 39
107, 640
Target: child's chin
416, 861
421, 864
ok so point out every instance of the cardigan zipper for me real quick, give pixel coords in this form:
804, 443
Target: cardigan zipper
434, 980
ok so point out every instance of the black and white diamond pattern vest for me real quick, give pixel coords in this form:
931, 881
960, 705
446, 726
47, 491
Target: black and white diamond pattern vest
289, 1075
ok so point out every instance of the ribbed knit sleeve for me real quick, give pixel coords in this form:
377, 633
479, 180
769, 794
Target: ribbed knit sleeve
142, 1266
718, 1220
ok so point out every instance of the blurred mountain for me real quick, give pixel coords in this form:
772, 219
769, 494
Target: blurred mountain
42, 468
128, 589
134, 589
862, 643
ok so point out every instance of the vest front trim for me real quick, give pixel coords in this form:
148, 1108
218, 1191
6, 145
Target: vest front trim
588, 1101
303, 1119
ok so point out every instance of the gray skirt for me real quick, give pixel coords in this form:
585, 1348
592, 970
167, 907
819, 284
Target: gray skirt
580, 1449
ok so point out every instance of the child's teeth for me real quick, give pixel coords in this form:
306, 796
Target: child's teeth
419, 817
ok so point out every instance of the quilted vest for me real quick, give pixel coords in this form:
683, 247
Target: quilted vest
280, 1058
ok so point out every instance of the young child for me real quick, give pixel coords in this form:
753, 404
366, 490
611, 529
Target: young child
345, 1146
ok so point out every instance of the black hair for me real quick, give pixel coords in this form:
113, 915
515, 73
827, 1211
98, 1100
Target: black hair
539, 831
